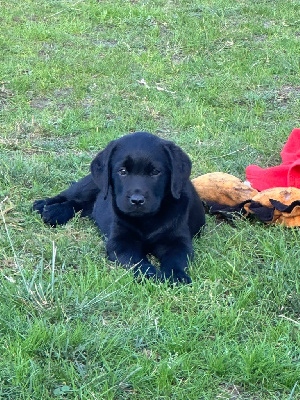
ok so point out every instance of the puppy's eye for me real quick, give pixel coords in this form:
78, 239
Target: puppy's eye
123, 172
154, 172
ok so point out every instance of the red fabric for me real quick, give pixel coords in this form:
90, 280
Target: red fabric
284, 175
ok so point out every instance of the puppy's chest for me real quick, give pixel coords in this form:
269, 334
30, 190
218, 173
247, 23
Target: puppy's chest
167, 223
151, 230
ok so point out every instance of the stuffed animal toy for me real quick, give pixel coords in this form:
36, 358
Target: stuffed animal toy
227, 196
271, 194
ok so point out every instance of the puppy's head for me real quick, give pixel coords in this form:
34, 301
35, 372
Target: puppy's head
142, 170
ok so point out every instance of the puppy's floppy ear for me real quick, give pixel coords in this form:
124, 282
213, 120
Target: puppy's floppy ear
180, 166
100, 167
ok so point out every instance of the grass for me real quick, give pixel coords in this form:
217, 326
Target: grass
221, 79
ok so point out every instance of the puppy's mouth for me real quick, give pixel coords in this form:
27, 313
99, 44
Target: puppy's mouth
138, 211
136, 214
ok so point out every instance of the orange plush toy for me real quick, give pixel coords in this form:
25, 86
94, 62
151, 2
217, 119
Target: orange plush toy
228, 196
273, 194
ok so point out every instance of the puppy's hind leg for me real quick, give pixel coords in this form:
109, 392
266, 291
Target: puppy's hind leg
58, 210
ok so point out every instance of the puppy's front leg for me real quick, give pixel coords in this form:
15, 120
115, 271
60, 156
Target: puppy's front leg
80, 196
129, 254
174, 260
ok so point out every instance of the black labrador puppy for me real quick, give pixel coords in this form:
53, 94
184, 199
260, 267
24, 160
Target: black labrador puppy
141, 198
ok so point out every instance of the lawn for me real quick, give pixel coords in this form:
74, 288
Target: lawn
221, 79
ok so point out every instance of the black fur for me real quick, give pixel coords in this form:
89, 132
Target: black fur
142, 200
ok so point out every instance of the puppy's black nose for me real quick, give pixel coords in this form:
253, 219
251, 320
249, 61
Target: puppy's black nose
137, 199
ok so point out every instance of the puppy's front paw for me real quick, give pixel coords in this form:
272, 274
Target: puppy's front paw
39, 205
148, 271
57, 214
181, 277
177, 276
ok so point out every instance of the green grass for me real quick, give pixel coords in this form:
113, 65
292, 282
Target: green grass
221, 79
